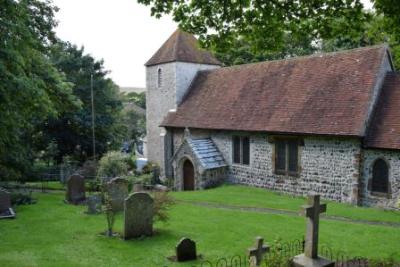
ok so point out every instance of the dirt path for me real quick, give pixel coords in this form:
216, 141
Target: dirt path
287, 212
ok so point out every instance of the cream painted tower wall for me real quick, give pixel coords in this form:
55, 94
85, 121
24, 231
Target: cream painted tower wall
176, 78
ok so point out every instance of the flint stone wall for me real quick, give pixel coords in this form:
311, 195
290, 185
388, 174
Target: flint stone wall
329, 166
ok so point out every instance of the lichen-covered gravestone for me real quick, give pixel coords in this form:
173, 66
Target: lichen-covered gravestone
118, 190
186, 250
94, 204
138, 215
5, 204
75, 189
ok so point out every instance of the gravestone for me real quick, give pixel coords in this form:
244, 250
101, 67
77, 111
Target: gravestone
94, 204
256, 254
5, 200
75, 189
186, 250
310, 256
118, 191
6, 210
138, 215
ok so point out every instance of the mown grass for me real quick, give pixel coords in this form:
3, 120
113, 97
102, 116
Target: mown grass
51, 233
238, 195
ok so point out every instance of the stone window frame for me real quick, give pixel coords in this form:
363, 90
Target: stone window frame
159, 77
388, 193
241, 136
300, 143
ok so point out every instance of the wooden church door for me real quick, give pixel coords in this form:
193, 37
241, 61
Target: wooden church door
188, 175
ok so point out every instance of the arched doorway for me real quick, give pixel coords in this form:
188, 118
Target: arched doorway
188, 175
380, 176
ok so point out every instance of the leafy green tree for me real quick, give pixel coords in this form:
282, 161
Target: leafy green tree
262, 29
31, 89
72, 130
386, 26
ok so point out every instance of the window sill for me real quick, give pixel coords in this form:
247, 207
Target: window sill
287, 174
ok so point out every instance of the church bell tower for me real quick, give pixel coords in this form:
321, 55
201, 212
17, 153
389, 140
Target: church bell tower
169, 73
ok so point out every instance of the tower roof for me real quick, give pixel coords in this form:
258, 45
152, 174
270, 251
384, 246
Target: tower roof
183, 47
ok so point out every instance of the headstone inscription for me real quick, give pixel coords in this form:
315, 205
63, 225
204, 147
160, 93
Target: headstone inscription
310, 256
138, 215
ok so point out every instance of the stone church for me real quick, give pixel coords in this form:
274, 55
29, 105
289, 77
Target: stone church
325, 123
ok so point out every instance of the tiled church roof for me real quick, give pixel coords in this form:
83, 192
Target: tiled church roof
183, 47
327, 94
207, 153
385, 126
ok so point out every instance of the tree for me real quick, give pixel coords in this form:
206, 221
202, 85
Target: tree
31, 89
72, 131
386, 26
262, 28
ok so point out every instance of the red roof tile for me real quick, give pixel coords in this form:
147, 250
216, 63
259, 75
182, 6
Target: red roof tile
385, 125
183, 47
327, 94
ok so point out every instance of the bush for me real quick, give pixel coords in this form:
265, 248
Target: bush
153, 169
113, 164
22, 197
162, 202
88, 169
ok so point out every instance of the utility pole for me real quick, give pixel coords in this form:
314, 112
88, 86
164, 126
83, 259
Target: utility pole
93, 134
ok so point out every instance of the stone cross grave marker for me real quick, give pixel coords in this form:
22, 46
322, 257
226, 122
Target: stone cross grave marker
94, 204
256, 254
310, 256
186, 250
118, 190
138, 215
75, 189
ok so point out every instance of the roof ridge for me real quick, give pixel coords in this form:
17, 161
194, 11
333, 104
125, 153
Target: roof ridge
304, 57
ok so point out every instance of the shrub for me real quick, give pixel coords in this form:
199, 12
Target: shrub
22, 197
131, 162
162, 202
150, 167
153, 169
276, 257
88, 169
113, 164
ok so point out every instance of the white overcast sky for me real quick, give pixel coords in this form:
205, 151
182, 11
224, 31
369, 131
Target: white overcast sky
121, 32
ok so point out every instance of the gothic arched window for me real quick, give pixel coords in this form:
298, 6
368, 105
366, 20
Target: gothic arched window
159, 78
380, 176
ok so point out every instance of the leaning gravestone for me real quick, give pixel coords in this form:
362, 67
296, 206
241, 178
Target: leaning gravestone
6, 210
138, 215
94, 204
186, 250
118, 191
75, 189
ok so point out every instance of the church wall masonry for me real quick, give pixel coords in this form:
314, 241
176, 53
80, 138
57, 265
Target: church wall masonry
329, 166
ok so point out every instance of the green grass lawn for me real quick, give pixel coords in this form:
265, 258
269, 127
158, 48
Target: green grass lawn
237, 195
51, 233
